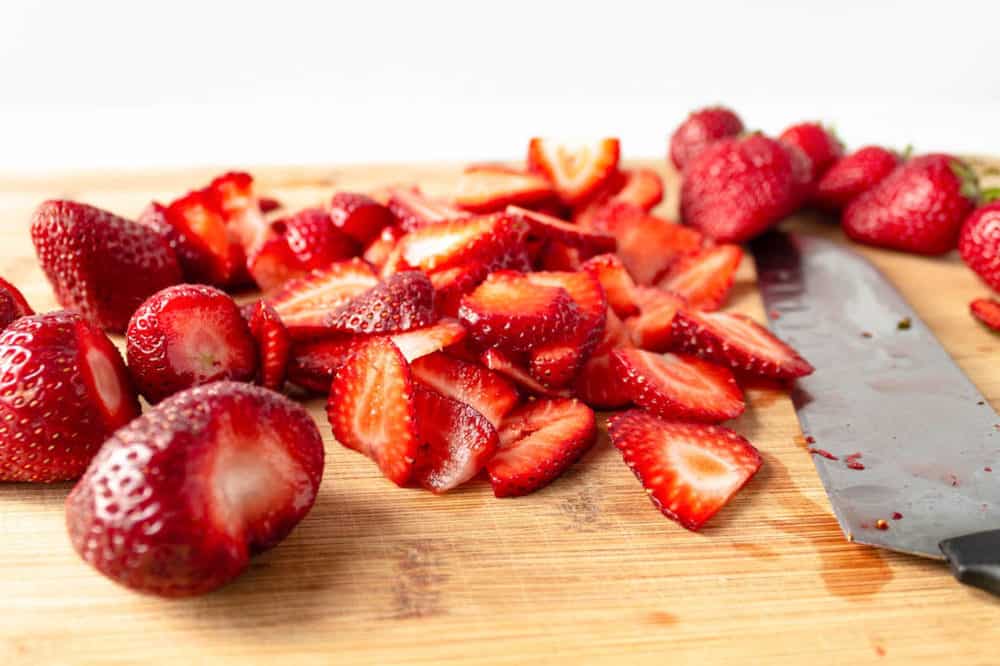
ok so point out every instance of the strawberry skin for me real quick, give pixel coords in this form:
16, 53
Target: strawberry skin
413, 210
820, 146
852, 175
403, 302
700, 129
598, 384
314, 239
576, 172
359, 217
99, 264
177, 501
63, 390
979, 243
305, 304
273, 345
12, 304
986, 310
482, 389
689, 470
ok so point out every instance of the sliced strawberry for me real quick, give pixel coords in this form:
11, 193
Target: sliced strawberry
233, 194
704, 278
598, 383
451, 284
13, 305
448, 244
648, 245
738, 342
206, 252
359, 217
371, 408
618, 284
556, 256
679, 386
429, 339
511, 311
403, 302
538, 442
305, 304
488, 189
689, 470
273, 345
577, 172
486, 391
314, 239
553, 229
414, 210
642, 188
986, 310
273, 264
653, 329
313, 363
380, 249
509, 367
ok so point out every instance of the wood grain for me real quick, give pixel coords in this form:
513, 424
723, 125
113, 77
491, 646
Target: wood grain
584, 571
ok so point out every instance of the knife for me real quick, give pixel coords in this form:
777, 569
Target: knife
904, 443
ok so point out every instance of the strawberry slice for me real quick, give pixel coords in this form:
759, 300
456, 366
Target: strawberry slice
511, 311
13, 305
414, 210
641, 187
371, 408
556, 256
379, 250
653, 329
304, 305
429, 339
273, 345
359, 217
553, 229
488, 188
233, 194
205, 250
456, 441
451, 284
538, 442
738, 342
313, 363
403, 302
986, 310
314, 239
452, 243
689, 470
619, 287
273, 263
648, 245
500, 362
484, 390
598, 383
679, 386
576, 172
704, 278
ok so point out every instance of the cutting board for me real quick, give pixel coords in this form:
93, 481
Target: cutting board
585, 571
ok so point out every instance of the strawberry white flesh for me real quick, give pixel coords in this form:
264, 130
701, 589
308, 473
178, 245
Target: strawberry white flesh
577, 171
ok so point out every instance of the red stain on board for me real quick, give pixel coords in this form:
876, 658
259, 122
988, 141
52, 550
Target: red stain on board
896, 515
823, 452
852, 461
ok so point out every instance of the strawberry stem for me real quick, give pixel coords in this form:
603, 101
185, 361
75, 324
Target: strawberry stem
989, 195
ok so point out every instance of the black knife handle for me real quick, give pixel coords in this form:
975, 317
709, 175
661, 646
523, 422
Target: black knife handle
975, 559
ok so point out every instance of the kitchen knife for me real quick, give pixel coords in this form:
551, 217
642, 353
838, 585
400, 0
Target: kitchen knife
911, 441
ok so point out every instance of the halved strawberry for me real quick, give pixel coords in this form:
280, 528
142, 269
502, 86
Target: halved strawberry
380, 249
553, 229
619, 287
206, 252
314, 239
738, 342
653, 329
509, 367
273, 263
488, 189
986, 310
404, 301
456, 441
598, 383
689, 470
233, 194
577, 172
273, 345
313, 363
538, 442
359, 216
448, 244
704, 278
12, 304
679, 386
371, 407
305, 304
649, 245
429, 339
414, 210
486, 391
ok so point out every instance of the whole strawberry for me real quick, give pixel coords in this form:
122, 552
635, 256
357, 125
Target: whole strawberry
177, 501
819, 145
853, 174
737, 188
917, 208
979, 243
63, 390
699, 130
100, 264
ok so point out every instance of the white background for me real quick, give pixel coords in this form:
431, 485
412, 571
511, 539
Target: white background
95, 84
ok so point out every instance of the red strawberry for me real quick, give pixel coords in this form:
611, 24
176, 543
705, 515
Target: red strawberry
359, 217
538, 442
616, 281
305, 304
738, 342
488, 189
380, 249
63, 390
649, 245
268, 204
553, 229
188, 335
448, 244
917, 208
851, 175
576, 172
736, 189
986, 310
12, 304
371, 408
188, 254
206, 251
640, 187
979, 243
177, 501
700, 129
704, 278
429, 339
273, 345
100, 264
689, 470
314, 240
556, 256
233, 195
414, 210
820, 146
509, 367
652, 329
273, 263
403, 302
313, 363
598, 384
679, 386
451, 284
484, 390
456, 441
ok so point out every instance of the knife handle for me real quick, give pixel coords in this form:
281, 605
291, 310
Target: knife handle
975, 559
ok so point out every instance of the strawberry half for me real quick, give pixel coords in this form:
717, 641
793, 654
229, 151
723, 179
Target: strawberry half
538, 442
690, 471
576, 172
704, 278
619, 288
178, 500
484, 390
653, 329
13, 305
738, 342
679, 386
207, 251
403, 302
359, 217
371, 408
304, 305
986, 310
553, 229
314, 239
273, 345
488, 188
233, 194
414, 210
448, 244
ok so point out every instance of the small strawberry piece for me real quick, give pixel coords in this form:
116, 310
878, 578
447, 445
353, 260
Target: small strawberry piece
979, 243
689, 470
554, 229
359, 217
273, 345
313, 363
649, 245
737, 342
616, 281
314, 239
512, 312
576, 172
371, 408
653, 329
429, 339
538, 442
188, 335
854, 174
414, 210
484, 390
177, 501
820, 146
598, 384
448, 244
489, 189
12, 304
679, 386
451, 284
206, 252
456, 441
509, 367
704, 278
986, 310
642, 188
700, 129
100, 264
403, 302
233, 195
304, 305
268, 204
556, 256
273, 263
379, 250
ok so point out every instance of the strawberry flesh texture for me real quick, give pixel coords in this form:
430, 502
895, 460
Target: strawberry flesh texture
452, 243
359, 217
552, 228
379, 250
636, 188
979, 243
819, 145
652, 328
598, 384
423, 341
649, 245
273, 346
619, 287
206, 251
705, 278
576, 172
852, 175
482, 389
489, 189
233, 194
556, 256
273, 263
304, 305
413, 210
13, 305
511, 368
699, 130
451, 284
986, 310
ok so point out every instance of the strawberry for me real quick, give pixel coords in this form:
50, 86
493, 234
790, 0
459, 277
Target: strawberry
979, 243
918, 208
576, 172
403, 302
820, 146
853, 174
556, 256
304, 305
640, 187
313, 363
273, 263
689, 470
649, 245
188, 335
314, 239
484, 390
737, 342
12, 304
63, 390
414, 210
451, 284
371, 408
986, 310
100, 264
448, 244
538, 442
273, 345
359, 217
653, 329
423, 341
512, 369
699, 130
736, 189
489, 189
177, 501
510, 311
618, 285
268, 205
678, 386
704, 278
233, 195
456, 441
553, 229
379, 250
597, 384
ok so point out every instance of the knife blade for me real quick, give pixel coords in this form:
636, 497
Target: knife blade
914, 441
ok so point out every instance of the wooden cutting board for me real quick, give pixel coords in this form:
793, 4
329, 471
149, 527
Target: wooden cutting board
585, 571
